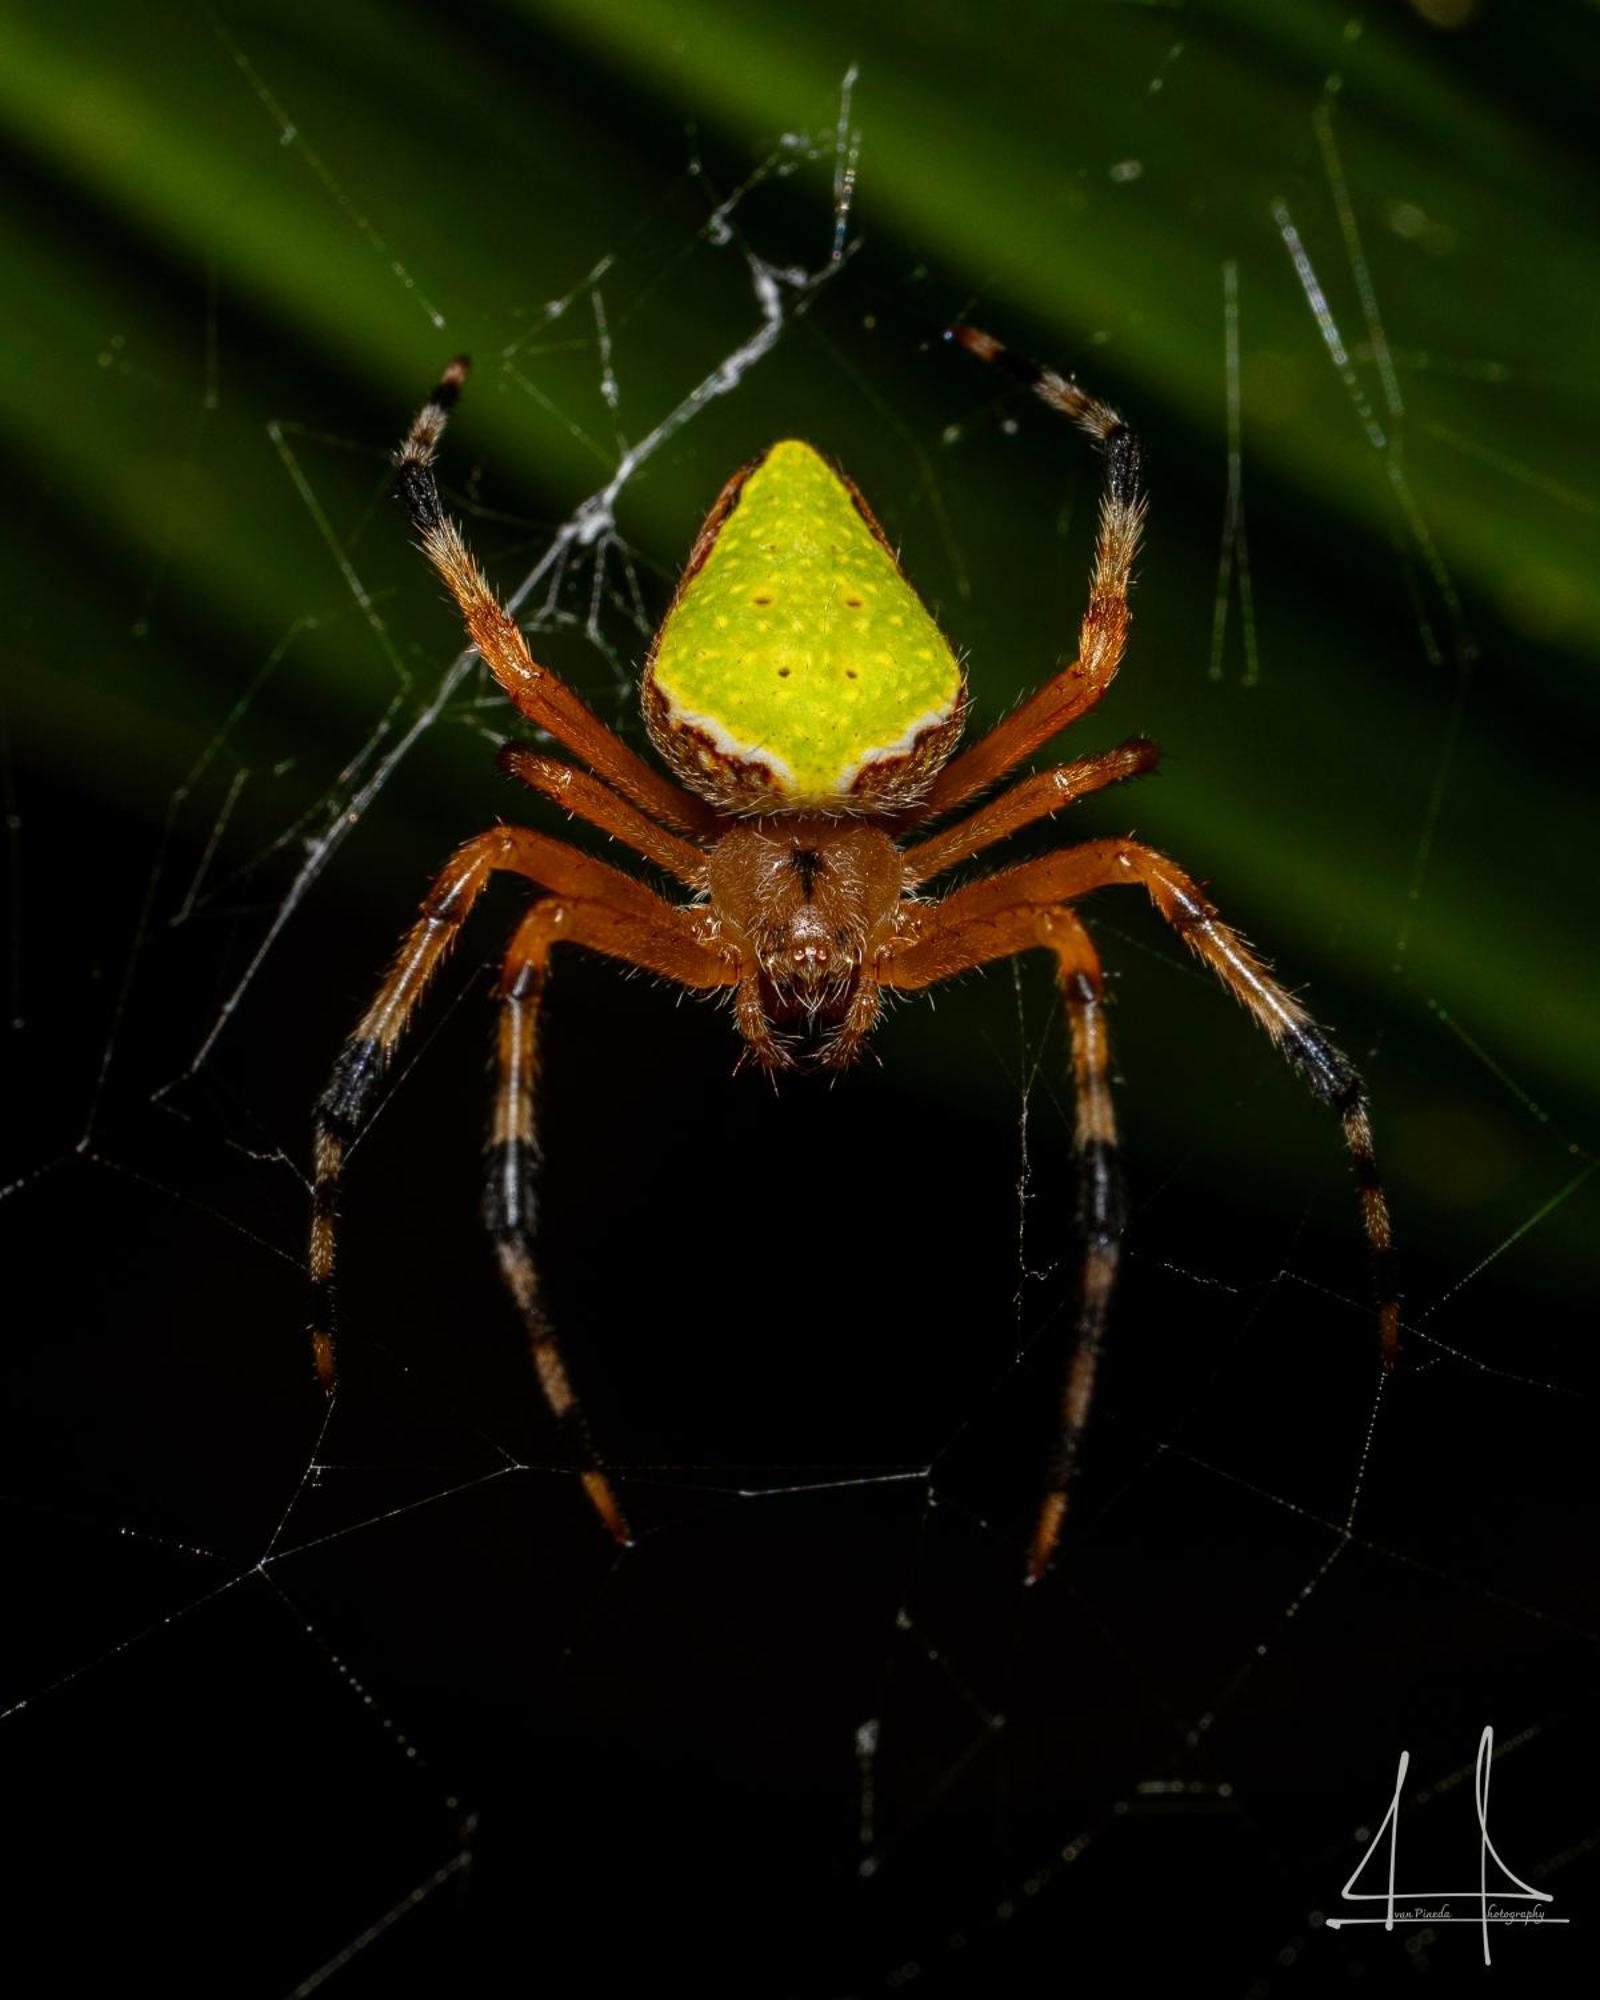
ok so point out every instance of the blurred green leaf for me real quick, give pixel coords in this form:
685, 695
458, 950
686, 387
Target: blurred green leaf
241, 245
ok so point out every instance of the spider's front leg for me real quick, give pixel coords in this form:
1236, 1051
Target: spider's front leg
1103, 631
542, 696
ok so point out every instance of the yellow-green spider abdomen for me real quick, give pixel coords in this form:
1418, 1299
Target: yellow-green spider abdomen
797, 667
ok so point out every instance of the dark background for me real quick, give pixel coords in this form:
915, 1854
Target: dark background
377, 1708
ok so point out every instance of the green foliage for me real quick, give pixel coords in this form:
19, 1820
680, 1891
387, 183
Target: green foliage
249, 239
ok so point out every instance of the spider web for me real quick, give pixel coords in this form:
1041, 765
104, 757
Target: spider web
355, 1699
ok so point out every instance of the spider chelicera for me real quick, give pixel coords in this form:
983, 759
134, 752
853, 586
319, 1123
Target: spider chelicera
809, 708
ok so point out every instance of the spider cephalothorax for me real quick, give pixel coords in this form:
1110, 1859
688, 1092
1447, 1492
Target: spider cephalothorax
810, 708
806, 903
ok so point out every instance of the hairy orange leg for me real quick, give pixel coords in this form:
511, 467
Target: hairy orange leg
1101, 1208
1103, 634
352, 1090
955, 930
513, 1157
583, 795
1033, 798
542, 696
1021, 907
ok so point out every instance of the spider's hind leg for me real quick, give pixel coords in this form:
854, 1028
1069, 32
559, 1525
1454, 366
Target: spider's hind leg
1103, 632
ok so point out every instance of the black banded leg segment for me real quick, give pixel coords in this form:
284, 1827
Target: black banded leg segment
351, 1093
1023, 906
1327, 1071
1102, 1209
420, 446
510, 1202
980, 922
642, 931
1333, 1078
641, 919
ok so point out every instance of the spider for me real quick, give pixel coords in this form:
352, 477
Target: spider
809, 708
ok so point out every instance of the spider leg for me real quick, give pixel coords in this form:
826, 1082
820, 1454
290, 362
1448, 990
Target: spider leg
351, 1093
1031, 798
510, 1205
1104, 631
958, 933
588, 798
1102, 1210
542, 696
1022, 906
